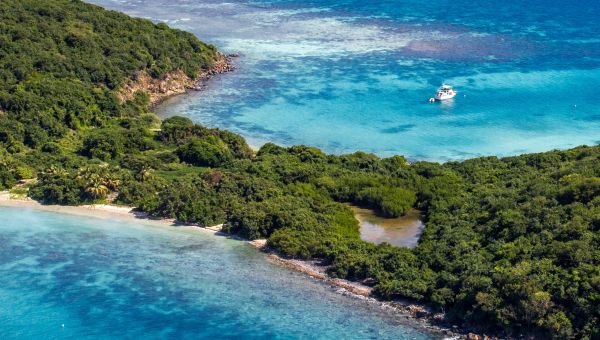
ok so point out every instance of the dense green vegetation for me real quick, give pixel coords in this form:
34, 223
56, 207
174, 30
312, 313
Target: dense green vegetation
510, 244
60, 62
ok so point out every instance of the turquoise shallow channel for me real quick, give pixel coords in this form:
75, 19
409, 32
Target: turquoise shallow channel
350, 75
123, 279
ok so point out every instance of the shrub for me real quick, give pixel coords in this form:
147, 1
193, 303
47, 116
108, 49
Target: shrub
390, 202
104, 144
208, 152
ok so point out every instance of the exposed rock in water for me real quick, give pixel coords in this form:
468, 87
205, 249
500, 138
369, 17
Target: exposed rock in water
173, 83
439, 317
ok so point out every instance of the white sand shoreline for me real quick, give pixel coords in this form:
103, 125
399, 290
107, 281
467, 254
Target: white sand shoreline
103, 211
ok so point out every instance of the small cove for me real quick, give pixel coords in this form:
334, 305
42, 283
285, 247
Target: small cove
402, 231
356, 75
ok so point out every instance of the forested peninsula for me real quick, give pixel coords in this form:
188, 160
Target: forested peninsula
511, 245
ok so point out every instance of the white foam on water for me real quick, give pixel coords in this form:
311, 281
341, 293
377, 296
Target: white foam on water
310, 31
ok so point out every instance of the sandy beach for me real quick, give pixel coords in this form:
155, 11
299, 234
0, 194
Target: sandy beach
104, 211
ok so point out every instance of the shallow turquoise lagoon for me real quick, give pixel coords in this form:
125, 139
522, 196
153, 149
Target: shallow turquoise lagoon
351, 75
118, 279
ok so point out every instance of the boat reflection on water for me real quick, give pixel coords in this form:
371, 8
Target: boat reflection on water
447, 106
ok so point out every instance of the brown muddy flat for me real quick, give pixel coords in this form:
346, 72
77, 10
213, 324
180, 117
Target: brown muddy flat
402, 231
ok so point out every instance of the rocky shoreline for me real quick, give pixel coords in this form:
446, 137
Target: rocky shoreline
174, 83
424, 316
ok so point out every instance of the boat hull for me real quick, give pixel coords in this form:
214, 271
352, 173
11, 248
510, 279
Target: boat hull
446, 97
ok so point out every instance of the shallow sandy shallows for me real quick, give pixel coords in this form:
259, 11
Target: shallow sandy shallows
123, 213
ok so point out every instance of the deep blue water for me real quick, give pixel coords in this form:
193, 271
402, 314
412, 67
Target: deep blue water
356, 75
120, 279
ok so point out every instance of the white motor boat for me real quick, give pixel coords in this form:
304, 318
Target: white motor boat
445, 92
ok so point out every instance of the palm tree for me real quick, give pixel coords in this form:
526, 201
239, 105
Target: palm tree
96, 189
52, 170
98, 180
112, 183
87, 172
144, 174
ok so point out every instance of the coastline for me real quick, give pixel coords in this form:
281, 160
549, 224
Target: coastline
103, 211
421, 315
85, 126
174, 83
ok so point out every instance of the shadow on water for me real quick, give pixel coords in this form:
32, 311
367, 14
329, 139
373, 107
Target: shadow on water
401, 231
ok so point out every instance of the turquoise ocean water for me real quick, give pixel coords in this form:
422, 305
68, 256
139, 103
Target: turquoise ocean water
351, 75
117, 279
342, 75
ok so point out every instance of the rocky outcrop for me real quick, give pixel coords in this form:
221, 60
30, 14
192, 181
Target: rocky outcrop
425, 316
173, 83
473, 336
318, 272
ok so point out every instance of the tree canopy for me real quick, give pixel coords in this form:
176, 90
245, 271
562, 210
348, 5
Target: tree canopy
510, 244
